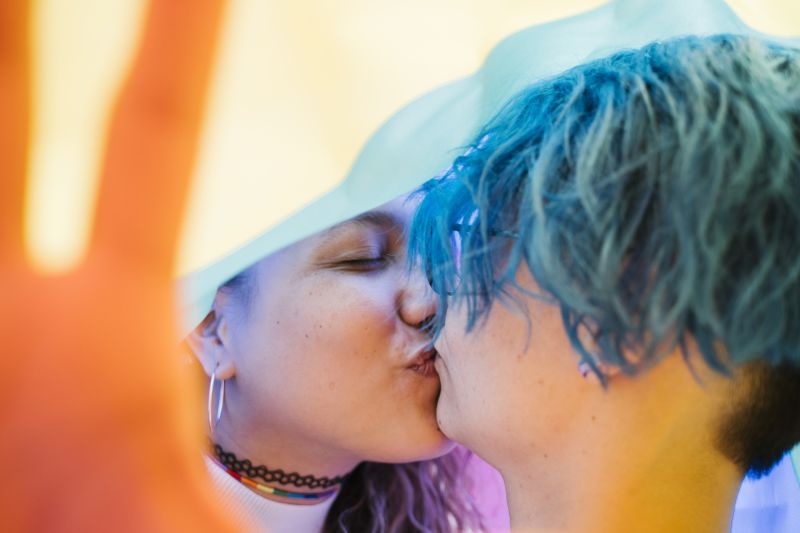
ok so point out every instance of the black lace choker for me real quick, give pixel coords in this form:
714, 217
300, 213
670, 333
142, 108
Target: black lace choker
245, 468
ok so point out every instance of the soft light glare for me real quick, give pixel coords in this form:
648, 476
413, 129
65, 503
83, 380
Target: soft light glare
298, 89
776, 17
81, 51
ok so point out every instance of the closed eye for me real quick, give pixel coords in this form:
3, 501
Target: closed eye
362, 264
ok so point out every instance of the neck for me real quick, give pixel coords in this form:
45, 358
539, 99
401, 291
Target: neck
270, 492
280, 465
663, 494
633, 462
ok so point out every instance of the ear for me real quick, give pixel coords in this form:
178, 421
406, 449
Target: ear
211, 344
609, 372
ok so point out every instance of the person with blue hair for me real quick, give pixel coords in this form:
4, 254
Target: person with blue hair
617, 256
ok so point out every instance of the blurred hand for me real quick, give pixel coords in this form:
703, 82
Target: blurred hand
99, 425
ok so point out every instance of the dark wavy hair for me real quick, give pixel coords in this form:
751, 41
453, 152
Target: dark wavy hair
654, 196
430, 496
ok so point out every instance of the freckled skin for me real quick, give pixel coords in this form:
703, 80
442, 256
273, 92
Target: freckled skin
328, 384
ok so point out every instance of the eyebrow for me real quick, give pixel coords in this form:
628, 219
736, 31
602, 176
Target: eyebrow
378, 219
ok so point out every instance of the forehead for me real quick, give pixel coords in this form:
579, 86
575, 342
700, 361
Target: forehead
394, 216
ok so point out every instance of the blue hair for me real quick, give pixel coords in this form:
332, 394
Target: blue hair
654, 196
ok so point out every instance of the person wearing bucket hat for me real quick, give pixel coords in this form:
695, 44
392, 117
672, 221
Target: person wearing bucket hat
322, 390
619, 267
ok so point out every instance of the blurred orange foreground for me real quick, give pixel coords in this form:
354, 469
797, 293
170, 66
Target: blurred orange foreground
98, 425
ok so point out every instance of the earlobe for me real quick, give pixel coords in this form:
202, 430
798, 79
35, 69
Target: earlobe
607, 371
210, 344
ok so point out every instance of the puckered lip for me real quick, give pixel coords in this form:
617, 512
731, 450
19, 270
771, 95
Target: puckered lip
426, 354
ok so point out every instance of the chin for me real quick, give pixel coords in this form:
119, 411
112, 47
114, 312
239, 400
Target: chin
440, 443
442, 446
417, 449
447, 423
442, 412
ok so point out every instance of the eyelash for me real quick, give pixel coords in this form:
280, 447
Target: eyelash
367, 263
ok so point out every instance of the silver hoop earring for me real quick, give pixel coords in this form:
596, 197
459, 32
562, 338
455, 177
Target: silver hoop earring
215, 415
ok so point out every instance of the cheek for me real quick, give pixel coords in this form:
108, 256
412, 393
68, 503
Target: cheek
487, 376
332, 329
481, 359
343, 376
325, 343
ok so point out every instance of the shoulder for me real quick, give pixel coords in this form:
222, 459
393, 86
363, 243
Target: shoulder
772, 502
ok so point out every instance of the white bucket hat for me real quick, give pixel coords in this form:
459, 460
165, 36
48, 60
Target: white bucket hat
421, 139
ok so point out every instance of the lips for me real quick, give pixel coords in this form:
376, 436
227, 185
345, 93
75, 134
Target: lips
423, 363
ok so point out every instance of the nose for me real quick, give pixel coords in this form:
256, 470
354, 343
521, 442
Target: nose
418, 303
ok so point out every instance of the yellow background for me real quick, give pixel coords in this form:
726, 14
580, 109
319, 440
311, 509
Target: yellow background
299, 86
